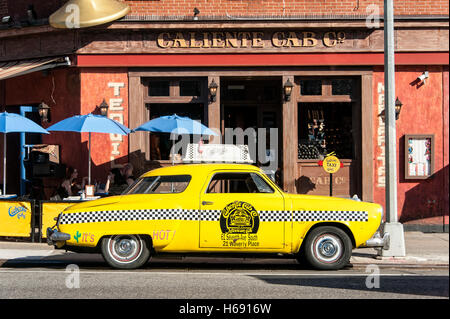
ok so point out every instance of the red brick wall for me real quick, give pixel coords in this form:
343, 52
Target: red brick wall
241, 7
279, 7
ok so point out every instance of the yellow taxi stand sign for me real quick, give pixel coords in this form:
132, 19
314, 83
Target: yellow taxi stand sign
331, 164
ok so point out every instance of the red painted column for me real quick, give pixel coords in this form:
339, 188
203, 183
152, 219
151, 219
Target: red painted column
107, 150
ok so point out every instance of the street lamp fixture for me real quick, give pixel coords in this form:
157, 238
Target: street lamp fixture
213, 90
103, 108
288, 90
44, 112
398, 108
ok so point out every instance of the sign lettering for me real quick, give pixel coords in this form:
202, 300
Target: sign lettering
381, 170
252, 39
116, 113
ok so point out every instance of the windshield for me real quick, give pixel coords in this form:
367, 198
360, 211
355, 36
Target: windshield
159, 185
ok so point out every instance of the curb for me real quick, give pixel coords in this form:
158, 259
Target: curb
50, 258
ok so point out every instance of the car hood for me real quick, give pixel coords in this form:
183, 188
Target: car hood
94, 204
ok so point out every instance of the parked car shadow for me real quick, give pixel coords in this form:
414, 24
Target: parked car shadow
432, 286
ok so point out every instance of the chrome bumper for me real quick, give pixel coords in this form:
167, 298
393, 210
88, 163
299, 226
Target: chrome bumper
377, 241
54, 236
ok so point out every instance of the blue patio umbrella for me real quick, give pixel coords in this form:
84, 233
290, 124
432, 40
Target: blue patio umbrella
90, 123
175, 124
15, 123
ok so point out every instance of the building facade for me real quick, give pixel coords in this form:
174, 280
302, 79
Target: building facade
163, 57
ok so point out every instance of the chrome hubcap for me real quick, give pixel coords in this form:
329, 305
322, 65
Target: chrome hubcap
125, 249
328, 248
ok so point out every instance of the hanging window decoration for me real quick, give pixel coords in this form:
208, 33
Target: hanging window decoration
419, 156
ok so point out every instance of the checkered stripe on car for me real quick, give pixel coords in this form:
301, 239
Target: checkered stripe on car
129, 215
207, 215
210, 215
274, 215
332, 215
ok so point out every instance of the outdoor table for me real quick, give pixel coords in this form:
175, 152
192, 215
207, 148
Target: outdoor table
78, 198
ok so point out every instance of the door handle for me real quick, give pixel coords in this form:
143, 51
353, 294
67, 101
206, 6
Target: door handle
207, 203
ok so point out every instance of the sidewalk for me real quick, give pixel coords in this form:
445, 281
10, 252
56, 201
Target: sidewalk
424, 250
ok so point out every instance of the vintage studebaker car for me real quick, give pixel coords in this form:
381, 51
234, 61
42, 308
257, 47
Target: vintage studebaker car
217, 208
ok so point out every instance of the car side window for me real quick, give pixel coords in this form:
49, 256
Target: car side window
238, 183
159, 185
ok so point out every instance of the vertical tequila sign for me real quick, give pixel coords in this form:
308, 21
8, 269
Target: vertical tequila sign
116, 113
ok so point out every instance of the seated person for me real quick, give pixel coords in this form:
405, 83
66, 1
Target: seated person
69, 186
119, 179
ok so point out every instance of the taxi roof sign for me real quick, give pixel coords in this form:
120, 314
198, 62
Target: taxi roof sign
217, 153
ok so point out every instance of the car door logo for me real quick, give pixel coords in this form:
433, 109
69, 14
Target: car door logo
239, 218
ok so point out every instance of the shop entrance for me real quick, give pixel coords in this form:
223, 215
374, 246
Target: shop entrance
329, 120
254, 102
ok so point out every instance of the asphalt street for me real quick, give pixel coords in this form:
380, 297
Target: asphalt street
217, 280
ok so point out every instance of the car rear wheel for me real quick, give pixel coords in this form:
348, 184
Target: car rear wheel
125, 251
328, 248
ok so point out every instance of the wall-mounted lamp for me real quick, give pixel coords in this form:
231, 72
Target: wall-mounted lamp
398, 108
213, 90
103, 108
196, 12
288, 90
44, 112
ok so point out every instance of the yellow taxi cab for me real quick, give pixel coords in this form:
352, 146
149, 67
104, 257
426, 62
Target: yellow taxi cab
217, 208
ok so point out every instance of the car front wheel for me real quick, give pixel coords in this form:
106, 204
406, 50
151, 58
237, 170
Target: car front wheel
328, 248
125, 251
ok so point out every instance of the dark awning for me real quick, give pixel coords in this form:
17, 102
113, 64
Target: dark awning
16, 68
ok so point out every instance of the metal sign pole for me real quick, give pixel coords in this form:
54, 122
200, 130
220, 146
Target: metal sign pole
392, 226
4, 163
331, 184
89, 168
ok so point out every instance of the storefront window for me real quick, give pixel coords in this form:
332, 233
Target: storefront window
311, 87
158, 88
324, 128
342, 86
190, 88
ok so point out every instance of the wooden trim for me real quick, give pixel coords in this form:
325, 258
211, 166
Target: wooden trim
367, 164
290, 138
173, 99
248, 71
314, 162
139, 141
214, 110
